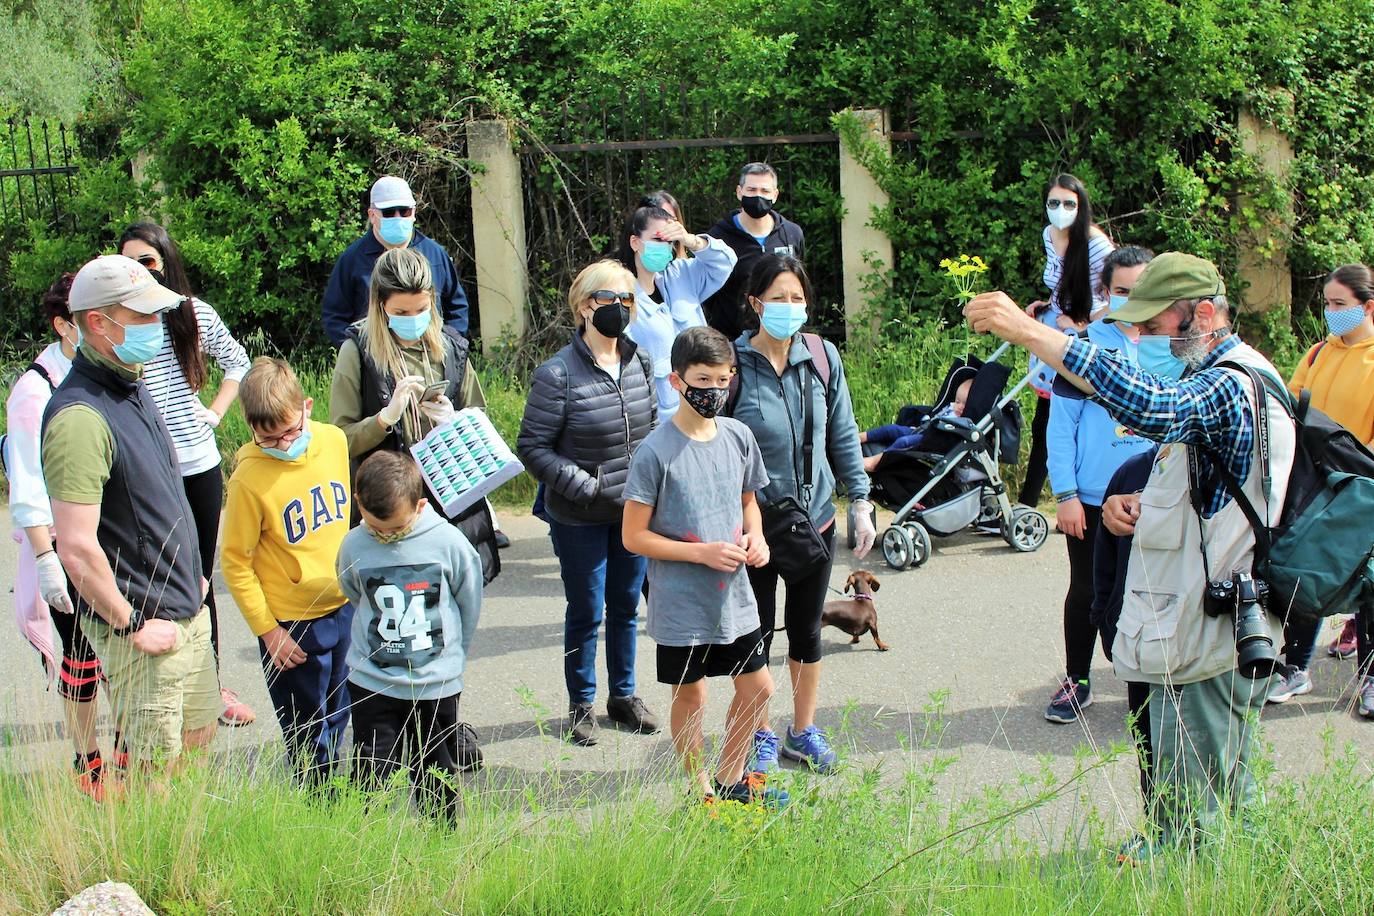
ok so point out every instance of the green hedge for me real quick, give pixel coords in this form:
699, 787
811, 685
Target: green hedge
265, 121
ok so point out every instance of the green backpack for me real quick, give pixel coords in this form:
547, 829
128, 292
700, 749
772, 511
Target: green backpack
1319, 560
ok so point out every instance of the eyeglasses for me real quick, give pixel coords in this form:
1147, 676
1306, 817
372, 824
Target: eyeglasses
286, 438
149, 261
606, 297
1054, 204
397, 211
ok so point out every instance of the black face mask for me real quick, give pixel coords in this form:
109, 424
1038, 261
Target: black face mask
756, 206
157, 275
706, 401
610, 320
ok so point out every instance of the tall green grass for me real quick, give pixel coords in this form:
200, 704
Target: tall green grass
231, 836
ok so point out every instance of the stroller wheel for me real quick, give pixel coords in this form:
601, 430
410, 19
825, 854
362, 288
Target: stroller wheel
850, 538
897, 548
920, 543
1028, 529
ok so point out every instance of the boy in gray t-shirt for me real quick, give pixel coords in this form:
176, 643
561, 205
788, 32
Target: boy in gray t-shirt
690, 508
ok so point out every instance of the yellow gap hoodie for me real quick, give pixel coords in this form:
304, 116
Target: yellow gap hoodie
283, 524
1341, 379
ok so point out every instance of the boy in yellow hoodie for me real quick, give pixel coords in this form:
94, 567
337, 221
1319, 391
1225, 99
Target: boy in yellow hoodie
286, 516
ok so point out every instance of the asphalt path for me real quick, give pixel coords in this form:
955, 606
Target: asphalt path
976, 649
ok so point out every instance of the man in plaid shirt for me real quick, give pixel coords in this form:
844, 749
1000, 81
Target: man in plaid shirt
1190, 394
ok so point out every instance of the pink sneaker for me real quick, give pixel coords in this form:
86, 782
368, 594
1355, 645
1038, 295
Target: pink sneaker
236, 712
1344, 646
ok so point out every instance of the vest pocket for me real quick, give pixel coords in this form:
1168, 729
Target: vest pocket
1163, 513
1154, 617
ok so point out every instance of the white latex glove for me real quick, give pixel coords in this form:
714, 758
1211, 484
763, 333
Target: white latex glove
404, 395
52, 583
864, 532
439, 410
205, 414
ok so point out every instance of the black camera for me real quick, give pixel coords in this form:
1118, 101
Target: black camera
1247, 598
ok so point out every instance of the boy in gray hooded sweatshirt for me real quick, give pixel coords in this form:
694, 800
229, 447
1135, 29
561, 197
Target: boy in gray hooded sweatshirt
416, 583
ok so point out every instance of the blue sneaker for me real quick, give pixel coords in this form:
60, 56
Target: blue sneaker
752, 791
765, 756
811, 748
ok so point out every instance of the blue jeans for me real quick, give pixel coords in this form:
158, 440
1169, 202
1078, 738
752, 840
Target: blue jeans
311, 699
600, 578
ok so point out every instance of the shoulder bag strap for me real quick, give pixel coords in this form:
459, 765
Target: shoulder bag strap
808, 445
38, 367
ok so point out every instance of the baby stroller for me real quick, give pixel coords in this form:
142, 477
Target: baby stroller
951, 481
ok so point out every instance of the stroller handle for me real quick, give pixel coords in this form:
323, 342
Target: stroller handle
992, 357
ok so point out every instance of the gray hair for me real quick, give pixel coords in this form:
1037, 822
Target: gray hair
757, 168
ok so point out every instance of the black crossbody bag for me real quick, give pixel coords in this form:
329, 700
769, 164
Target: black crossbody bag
795, 546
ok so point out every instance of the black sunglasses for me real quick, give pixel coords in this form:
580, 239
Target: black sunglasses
1054, 204
606, 297
397, 211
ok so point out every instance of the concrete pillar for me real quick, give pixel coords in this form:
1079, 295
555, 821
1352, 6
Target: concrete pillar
1263, 261
498, 233
866, 252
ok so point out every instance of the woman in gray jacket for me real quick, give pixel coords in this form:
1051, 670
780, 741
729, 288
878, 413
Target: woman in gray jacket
773, 361
588, 409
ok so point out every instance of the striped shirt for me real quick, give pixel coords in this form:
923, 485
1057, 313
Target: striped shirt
1099, 246
197, 451
1209, 408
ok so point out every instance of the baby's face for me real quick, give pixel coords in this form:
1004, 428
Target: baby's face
961, 396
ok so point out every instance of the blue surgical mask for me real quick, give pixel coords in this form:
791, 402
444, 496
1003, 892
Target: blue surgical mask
1156, 356
656, 256
292, 451
783, 319
1115, 302
396, 230
141, 342
409, 327
1342, 321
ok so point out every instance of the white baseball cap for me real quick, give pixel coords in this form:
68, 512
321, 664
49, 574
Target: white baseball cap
113, 279
390, 191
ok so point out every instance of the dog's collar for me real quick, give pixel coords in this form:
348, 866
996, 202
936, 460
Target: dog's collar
863, 597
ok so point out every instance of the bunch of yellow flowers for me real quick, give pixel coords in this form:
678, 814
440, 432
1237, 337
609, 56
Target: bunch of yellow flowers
964, 272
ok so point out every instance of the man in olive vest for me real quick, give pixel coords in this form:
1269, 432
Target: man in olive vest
125, 533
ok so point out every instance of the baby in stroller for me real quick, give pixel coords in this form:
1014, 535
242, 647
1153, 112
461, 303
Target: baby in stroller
898, 437
949, 478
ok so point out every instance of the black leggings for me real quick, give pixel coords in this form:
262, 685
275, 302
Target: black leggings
1080, 633
1138, 704
1036, 468
205, 493
801, 608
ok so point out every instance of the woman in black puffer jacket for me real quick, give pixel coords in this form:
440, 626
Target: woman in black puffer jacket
589, 407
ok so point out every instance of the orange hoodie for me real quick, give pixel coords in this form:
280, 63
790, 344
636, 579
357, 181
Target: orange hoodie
1341, 379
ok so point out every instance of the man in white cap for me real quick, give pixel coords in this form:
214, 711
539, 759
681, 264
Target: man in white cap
391, 222
126, 535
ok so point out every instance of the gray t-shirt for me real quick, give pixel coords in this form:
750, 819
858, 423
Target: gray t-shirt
695, 489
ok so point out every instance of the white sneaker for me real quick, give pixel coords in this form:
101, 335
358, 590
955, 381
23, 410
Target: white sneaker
1294, 684
1367, 696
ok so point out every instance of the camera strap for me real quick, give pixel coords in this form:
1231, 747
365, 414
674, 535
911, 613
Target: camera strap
1195, 499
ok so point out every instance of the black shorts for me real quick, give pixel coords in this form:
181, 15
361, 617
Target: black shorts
689, 664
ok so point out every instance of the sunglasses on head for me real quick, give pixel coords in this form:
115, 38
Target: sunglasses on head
397, 211
1055, 204
606, 297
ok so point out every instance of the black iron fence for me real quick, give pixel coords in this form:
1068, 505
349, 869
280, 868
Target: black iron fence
582, 176
35, 172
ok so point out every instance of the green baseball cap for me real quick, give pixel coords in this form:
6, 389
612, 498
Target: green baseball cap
1165, 280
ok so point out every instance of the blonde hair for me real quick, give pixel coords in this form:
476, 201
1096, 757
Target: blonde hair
605, 274
270, 393
399, 270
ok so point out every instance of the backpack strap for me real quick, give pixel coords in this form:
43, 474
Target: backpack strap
1315, 350
41, 370
820, 364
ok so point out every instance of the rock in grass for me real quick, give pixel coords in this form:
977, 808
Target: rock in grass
109, 898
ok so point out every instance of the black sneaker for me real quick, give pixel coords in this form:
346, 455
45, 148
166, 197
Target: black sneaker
582, 726
469, 751
502, 540
633, 714
1068, 701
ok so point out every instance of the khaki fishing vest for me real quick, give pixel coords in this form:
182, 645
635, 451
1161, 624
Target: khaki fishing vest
1163, 635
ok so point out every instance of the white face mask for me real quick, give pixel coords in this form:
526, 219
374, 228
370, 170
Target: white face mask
1061, 218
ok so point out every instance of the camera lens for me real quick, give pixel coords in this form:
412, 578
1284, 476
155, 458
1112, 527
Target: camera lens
1255, 654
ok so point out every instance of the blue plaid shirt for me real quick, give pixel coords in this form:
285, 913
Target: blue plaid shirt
1209, 407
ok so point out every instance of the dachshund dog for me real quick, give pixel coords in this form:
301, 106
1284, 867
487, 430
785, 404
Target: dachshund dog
856, 616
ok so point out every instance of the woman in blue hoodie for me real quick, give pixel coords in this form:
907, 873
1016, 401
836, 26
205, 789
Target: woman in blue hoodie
1086, 446
669, 290
774, 364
